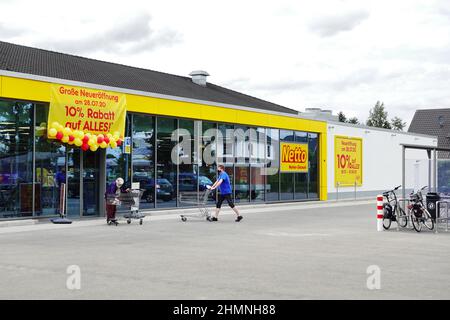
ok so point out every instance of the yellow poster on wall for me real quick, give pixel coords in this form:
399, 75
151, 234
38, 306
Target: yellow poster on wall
347, 161
293, 157
87, 118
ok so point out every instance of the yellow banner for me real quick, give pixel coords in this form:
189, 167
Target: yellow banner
293, 157
347, 161
94, 117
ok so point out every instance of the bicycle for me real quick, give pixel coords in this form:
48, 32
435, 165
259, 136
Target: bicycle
392, 211
418, 212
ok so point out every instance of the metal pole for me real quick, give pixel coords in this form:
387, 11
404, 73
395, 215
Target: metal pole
403, 178
337, 191
435, 170
430, 164
355, 189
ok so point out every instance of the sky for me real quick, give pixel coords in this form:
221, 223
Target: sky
343, 55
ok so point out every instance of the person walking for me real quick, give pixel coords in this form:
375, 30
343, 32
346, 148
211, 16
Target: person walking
223, 183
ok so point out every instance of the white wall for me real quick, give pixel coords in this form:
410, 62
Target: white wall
382, 160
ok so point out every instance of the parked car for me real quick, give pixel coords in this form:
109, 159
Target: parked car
164, 189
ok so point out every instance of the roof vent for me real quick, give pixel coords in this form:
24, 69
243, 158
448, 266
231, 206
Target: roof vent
199, 77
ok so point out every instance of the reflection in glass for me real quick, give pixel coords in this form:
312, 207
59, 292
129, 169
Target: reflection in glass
73, 182
313, 178
286, 186
166, 183
188, 177
273, 165
241, 184
50, 167
16, 160
143, 158
91, 179
207, 172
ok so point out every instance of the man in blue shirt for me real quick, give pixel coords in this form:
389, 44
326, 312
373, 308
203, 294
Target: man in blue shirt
223, 183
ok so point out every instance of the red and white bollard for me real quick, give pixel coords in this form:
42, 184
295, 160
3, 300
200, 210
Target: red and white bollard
380, 213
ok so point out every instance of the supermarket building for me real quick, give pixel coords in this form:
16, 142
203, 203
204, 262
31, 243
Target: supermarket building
253, 134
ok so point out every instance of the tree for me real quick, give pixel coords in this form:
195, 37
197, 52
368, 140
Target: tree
378, 117
398, 124
353, 120
342, 117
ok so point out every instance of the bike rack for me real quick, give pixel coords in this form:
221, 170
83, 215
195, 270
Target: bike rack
439, 219
407, 213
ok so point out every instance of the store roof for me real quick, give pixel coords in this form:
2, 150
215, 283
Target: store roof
22, 59
434, 122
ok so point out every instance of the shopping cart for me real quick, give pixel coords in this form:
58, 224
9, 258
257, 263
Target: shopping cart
196, 199
132, 199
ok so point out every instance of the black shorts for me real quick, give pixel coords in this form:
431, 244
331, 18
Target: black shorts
222, 197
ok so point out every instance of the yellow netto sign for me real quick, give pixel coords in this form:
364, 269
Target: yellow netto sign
347, 161
293, 157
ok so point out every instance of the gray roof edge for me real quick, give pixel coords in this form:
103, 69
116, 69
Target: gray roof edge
361, 126
30, 76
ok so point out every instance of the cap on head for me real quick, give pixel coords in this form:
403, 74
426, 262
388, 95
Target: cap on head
119, 182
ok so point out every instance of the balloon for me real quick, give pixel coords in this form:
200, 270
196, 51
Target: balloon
113, 144
84, 147
85, 138
103, 145
91, 142
100, 139
65, 139
116, 137
119, 142
106, 139
78, 142
67, 131
71, 138
52, 132
117, 133
93, 148
55, 125
59, 135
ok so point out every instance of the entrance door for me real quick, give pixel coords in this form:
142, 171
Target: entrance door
83, 182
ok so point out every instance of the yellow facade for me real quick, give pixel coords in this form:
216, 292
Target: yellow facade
33, 90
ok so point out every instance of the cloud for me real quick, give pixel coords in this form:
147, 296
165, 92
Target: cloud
330, 25
132, 37
9, 32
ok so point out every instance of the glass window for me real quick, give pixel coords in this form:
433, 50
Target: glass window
241, 144
166, 182
313, 178
208, 168
50, 167
273, 165
241, 184
118, 163
143, 155
188, 171
257, 172
225, 150
286, 186
301, 179
287, 135
16, 160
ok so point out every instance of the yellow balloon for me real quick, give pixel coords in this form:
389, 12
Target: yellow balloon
78, 142
103, 145
67, 131
55, 125
116, 137
60, 128
113, 144
52, 132
117, 133
93, 148
65, 139
91, 142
